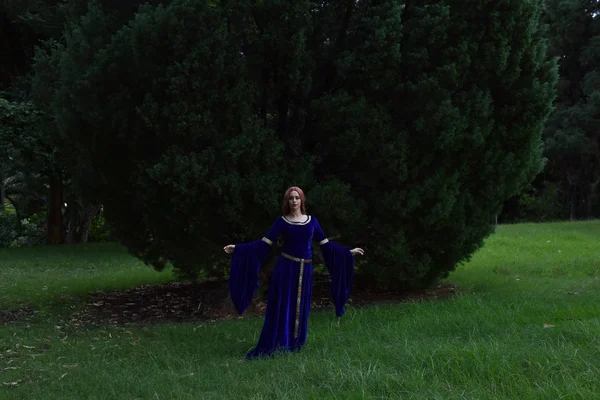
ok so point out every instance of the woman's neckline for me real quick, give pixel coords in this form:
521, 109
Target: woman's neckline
306, 221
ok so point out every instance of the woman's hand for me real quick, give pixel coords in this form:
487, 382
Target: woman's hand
357, 250
229, 248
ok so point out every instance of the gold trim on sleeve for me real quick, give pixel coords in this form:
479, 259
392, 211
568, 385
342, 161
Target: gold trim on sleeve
324, 241
267, 241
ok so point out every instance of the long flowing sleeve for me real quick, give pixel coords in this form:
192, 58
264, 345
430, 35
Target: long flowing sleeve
340, 264
245, 263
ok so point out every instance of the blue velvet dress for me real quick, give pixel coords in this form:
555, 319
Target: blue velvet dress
285, 329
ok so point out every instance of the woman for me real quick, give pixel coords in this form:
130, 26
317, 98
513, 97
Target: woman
288, 303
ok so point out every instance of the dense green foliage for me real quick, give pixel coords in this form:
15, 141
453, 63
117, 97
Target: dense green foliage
573, 132
568, 188
27, 158
32, 173
22, 142
408, 125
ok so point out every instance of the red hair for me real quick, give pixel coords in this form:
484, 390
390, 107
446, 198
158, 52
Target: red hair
286, 200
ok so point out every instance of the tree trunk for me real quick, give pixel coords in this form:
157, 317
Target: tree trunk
79, 220
2, 178
588, 205
72, 221
89, 213
55, 201
572, 198
591, 198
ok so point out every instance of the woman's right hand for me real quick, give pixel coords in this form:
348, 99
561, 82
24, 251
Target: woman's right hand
229, 248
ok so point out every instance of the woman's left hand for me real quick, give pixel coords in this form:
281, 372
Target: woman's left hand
357, 250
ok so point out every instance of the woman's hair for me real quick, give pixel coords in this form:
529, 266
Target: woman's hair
286, 200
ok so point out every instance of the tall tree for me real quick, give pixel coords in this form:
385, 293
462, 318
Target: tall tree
25, 24
42, 17
409, 124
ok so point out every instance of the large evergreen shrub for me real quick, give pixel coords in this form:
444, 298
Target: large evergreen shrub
407, 124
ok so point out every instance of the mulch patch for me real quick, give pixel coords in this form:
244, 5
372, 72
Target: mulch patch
179, 301
206, 301
18, 315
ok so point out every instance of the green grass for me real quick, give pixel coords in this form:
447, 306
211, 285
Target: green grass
524, 325
42, 276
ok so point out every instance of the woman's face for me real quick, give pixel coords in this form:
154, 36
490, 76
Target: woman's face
294, 200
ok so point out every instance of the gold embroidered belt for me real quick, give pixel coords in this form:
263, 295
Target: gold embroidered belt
299, 296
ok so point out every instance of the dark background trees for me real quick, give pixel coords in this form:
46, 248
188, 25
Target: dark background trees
568, 188
34, 176
573, 134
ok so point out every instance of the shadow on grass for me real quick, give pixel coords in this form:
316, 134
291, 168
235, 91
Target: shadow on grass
189, 301
210, 301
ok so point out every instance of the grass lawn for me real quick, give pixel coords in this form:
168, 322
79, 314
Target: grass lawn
524, 323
